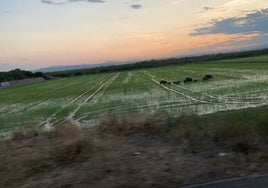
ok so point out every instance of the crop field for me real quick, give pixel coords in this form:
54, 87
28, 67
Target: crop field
237, 84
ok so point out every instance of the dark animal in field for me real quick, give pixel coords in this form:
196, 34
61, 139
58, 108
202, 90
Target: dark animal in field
177, 82
207, 77
163, 82
195, 80
169, 83
188, 80
46, 77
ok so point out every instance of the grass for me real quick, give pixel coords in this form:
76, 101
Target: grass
243, 131
238, 84
237, 131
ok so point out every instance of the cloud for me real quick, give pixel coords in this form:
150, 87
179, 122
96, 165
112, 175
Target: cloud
235, 42
136, 6
90, 1
252, 23
53, 2
178, 1
207, 8
62, 2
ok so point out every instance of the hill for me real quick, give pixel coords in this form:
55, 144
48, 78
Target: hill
160, 63
75, 67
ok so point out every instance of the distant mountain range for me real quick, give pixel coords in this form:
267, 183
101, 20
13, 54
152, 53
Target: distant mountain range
110, 63
82, 66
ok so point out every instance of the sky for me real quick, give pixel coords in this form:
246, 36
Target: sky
42, 33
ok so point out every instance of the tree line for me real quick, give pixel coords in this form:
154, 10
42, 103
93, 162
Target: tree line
18, 74
159, 63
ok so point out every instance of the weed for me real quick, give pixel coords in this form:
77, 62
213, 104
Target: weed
129, 125
26, 132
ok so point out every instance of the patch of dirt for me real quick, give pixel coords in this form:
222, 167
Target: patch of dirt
74, 157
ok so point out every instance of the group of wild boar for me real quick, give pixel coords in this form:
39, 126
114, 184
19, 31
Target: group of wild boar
187, 80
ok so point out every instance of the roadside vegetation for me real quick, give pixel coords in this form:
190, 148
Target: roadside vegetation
243, 131
138, 151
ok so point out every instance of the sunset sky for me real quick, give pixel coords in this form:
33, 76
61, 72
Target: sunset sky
41, 33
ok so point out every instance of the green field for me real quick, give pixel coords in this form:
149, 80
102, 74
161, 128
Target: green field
237, 84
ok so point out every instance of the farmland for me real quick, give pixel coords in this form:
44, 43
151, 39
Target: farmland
237, 84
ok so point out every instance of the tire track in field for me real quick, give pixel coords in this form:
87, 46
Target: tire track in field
108, 85
50, 121
218, 99
104, 85
65, 86
175, 91
17, 108
115, 108
230, 98
127, 107
194, 91
26, 107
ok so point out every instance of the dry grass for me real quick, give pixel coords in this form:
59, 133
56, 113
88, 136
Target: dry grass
32, 152
27, 132
129, 125
75, 145
137, 152
244, 133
